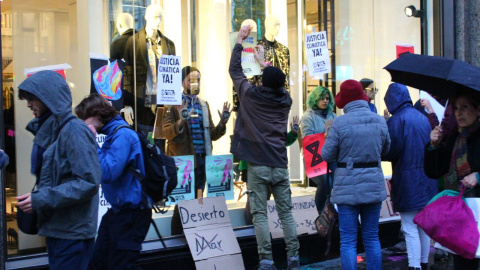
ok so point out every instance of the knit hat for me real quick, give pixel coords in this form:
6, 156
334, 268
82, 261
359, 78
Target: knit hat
350, 90
273, 77
187, 70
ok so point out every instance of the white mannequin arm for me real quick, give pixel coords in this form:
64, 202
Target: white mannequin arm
128, 114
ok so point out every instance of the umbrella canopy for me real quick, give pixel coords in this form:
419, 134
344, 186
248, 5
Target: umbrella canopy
437, 75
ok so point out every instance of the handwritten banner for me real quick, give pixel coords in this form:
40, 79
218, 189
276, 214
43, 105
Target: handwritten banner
318, 56
169, 80
219, 170
211, 241
304, 213
202, 212
314, 163
209, 233
250, 65
186, 179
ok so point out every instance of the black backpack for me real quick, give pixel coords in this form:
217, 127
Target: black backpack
160, 171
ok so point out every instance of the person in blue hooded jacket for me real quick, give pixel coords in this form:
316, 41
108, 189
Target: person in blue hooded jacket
125, 225
411, 189
65, 162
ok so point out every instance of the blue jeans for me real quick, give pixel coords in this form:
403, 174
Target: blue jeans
348, 218
65, 254
260, 178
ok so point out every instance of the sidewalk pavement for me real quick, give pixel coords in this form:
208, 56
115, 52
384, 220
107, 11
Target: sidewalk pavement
391, 261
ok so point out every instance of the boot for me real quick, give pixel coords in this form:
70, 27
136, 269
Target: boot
414, 268
424, 266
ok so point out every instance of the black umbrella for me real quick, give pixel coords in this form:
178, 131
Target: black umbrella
437, 75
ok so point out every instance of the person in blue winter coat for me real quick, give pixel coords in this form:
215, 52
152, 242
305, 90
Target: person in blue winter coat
317, 119
3, 159
411, 188
124, 227
357, 140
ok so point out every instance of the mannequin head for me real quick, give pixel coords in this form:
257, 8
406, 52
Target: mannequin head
250, 23
190, 80
272, 26
153, 18
124, 22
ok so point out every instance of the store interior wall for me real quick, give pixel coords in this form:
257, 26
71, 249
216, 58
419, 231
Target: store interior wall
42, 38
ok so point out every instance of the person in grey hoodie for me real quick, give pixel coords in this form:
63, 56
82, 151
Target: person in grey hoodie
260, 139
65, 162
357, 141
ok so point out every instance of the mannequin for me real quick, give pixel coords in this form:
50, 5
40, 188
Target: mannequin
150, 44
125, 29
277, 54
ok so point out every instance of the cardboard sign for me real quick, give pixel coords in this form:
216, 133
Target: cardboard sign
304, 213
211, 241
387, 213
209, 233
403, 49
314, 163
230, 262
219, 170
250, 65
169, 80
318, 56
185, 189
202, 212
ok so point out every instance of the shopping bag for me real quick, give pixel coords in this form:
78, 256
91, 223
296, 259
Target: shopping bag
450, 222
474, 204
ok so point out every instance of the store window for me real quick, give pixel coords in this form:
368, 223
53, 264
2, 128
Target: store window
362, 36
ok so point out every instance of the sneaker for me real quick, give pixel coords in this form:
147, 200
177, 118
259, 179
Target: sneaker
266, 265
294, 263
440, 255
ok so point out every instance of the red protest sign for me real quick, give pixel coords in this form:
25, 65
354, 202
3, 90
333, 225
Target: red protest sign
403, 49
314, 164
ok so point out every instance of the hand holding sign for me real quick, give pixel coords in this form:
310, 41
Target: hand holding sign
243, 33
259, 54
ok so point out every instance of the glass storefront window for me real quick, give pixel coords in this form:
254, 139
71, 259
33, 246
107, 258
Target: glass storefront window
362, 36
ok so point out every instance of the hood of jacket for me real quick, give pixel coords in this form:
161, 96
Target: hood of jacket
397, 97
52, 89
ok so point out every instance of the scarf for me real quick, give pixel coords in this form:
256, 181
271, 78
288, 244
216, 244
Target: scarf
196, 124
459, 167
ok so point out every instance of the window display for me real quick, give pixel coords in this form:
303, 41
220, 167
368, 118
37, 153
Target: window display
199, 34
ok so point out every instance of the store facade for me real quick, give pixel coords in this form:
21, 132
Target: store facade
362, 39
